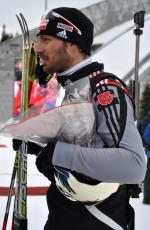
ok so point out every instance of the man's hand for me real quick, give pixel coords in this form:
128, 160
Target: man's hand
16, 144
44, 156
32, 148
44, 161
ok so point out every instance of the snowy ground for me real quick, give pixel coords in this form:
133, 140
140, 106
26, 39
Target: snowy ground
142, 212
37, 209
37, 213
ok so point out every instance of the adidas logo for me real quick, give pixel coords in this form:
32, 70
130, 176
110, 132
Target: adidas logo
62, 34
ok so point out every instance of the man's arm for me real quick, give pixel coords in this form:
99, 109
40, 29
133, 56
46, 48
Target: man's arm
118, 155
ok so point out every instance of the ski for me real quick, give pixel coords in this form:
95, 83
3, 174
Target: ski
19, 221
20, 166
31, 72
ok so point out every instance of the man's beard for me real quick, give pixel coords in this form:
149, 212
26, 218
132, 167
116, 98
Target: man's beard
60, 64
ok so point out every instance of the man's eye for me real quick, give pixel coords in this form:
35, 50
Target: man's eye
46, 40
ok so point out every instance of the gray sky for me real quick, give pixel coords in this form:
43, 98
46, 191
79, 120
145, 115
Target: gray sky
32, 10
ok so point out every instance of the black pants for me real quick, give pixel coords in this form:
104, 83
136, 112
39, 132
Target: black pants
147, 184
68, 215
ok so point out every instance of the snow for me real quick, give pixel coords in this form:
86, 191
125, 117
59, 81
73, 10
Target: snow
35, 204
7, 157
37, 212
141, 214
118, 55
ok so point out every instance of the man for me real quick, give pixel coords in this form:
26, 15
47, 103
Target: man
89, 172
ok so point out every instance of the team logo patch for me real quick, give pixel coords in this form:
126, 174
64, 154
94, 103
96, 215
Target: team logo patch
105, 98
43, 24
64, 27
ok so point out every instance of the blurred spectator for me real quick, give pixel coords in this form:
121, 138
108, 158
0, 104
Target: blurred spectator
42, 97
17, 98
53, 88
146, 143
141, 126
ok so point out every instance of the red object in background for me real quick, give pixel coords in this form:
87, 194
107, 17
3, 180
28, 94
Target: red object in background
17, 97
3, 146
41, 98
37, 95
31, 191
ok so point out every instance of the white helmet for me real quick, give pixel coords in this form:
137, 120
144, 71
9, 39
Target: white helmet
76, 190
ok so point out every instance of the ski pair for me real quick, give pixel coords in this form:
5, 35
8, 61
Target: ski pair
19, 221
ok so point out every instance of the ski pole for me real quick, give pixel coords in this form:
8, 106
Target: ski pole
139, 23
10, 193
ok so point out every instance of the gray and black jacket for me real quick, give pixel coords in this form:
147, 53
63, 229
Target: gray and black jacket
117, 152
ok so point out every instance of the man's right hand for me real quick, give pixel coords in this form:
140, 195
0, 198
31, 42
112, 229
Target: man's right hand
16, 144
32, 148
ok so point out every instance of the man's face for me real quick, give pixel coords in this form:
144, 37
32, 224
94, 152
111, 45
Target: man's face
53, 54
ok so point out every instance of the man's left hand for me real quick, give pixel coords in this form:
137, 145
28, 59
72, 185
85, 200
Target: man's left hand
44, 161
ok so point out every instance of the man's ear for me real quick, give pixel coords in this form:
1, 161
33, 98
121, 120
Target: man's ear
72, 48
